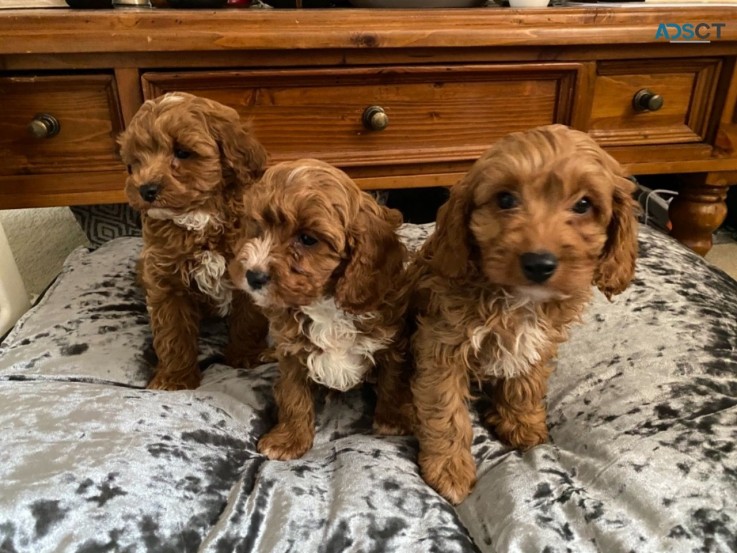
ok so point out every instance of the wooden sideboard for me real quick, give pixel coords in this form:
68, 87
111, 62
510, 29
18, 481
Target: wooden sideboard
322, 83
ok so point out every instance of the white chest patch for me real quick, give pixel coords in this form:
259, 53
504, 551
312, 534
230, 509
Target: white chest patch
192, 220
209, 274
345, 355
510, 355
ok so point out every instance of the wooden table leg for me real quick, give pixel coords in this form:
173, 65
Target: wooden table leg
700, 208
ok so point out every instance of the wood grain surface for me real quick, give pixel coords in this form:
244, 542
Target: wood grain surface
67, 31
450, 81
436, 114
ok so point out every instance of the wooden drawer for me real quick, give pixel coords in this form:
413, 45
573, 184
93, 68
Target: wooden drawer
437, 115
687, 89
88, 116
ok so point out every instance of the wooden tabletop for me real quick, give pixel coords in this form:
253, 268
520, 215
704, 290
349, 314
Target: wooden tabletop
39, 31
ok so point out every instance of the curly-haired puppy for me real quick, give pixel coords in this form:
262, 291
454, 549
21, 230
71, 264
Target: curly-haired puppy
323, 261
539, 217
190, 161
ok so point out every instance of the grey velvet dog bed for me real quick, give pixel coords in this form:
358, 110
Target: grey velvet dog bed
642, 412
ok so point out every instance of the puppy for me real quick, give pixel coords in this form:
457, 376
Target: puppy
539, 217
323, 261
190, 160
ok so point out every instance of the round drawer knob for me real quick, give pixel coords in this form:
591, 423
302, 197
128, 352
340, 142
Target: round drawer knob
375, 118
44, 126
647, 100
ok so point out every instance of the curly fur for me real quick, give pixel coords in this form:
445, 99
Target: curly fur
480, 319
202, 159
335, 266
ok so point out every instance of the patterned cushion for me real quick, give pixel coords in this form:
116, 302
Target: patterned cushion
104, 222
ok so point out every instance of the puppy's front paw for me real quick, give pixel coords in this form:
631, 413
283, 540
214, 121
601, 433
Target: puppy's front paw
163, 380
521, 433
283, 443
386, 428
240, 359
268, 356
392, 422
453, 477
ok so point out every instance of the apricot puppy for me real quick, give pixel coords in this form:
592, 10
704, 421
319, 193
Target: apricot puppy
323, 261
190, 160
539, 217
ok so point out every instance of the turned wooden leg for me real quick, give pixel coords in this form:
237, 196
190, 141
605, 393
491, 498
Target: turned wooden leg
700, 208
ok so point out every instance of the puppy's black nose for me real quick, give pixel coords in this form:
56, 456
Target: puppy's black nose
256, 279
149, 192
538, 266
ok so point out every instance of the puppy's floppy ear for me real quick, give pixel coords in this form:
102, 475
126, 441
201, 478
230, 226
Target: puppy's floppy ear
376, 258
126, 139
617, 262
240, 150
451, 248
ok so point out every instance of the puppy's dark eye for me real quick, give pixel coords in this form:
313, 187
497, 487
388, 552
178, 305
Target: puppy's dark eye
180, 153
582, 206
130, 170
307, 240
506, 200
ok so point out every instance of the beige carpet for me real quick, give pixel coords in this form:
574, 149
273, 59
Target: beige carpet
724, 256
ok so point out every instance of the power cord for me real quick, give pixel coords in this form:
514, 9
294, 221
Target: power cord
662, 202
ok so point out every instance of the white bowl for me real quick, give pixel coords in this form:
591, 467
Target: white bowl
528, 3
416, 3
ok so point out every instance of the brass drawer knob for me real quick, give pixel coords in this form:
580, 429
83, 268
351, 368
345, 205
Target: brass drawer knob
44, 126
647, 100
375, 118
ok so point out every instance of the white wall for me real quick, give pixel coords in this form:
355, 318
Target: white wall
40, 240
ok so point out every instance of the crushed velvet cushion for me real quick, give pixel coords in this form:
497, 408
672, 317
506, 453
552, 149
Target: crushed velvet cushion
641, 458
